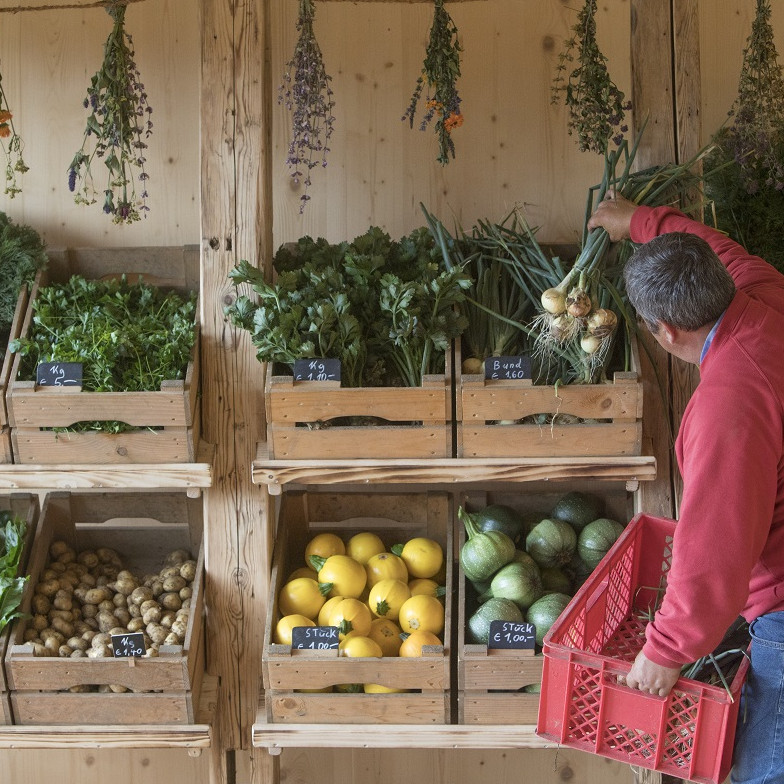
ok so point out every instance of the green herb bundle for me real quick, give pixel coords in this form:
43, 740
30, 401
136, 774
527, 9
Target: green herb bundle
22, 254
12, 145
128, 336
385, 309
12, 534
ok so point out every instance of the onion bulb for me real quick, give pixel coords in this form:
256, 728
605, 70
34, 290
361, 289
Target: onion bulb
472, 366
553, 301
561, 327
578, 303
602, 322
589, 343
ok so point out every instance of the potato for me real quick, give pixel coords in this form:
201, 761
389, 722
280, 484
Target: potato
88, 558
88, 635
66, 615
157, 587
77, 643
64, 651
115, 630
188, 571
123, 616
62, 600
180, 627
106, 621
108, 555
173, 583
186, 592
136, 624
57, 548
134, 611
99, 652
48, 587
102, 638
172, 639
107, 605
89, 611
67, 556
169, 571
177, 557
88, 580
156, 632
52, 645
152, 614
40, 650
76, 653
120, 600
97, 595
30, 635
125, 585
141, 594
116, 688
64, 627
170, 601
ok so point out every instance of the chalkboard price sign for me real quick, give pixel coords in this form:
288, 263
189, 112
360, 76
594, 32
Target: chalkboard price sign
125, 646
317, 370
507, 634
508, 367
315, 638
58, 374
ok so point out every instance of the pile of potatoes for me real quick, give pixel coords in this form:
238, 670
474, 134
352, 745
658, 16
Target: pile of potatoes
82, 599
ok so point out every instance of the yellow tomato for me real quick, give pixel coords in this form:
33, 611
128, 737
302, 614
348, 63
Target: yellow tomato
324, 545
423, 557
426, 586
303, 571
412, 645
363, 546
286, 624
348, 578
351, 615
422, 612
377, 688
326, 610
358, 646
387, 634
386, 566
301, 595
386, 598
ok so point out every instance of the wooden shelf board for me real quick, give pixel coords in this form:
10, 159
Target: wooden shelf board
276, 473
275, 737
187, 736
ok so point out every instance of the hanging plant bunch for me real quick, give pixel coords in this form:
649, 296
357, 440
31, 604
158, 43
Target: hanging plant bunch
12, 146
595, 104
307, 94
745, 172
118, 125
440, 73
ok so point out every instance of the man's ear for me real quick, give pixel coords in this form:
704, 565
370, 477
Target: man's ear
668, 332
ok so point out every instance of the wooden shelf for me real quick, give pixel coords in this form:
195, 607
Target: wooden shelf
193, 477
277, 473
275, 737
130, 736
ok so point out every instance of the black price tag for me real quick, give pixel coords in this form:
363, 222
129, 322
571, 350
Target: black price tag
315, 638
129, 645
508, 367
317, 370
58, 374
507, 634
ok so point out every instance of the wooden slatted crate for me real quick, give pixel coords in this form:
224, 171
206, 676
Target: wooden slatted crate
303, 419
166, 423
143, 528
25, 506
489, 413
395, 517
491, 682
6, 454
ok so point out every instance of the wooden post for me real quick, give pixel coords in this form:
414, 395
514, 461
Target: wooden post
235, 224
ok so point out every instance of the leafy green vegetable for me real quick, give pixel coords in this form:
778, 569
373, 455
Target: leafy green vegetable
21, 256
385, 309
12, 533
128, 336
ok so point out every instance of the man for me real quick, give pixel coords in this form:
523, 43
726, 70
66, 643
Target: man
708, 301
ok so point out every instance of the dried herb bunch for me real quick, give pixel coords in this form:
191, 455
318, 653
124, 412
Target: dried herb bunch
440, 72
12, 146
307, 94
118, 124
595, 104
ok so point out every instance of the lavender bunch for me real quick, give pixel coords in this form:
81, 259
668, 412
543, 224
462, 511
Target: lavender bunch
12, 146
440, 72
756, 137
118, 124
596, 106
306, 93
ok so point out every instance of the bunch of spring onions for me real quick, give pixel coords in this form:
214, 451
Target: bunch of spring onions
567, 317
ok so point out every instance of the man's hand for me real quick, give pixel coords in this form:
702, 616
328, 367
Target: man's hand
614, 215
651, 678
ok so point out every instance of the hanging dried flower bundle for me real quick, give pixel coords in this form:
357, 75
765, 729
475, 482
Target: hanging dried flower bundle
118, 125
307, 94
595, 104
440, 72
12, 146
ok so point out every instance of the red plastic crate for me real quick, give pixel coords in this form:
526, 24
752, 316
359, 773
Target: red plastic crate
688, 734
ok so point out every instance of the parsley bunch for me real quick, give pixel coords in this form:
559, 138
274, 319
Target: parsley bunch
440, 72
12, 534
12, 146
118, 124
595, 104
306, 93
385, 309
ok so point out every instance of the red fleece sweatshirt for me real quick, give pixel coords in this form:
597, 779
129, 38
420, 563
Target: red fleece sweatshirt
728, 550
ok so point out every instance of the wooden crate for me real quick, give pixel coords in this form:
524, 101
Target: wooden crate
300, 418
612, 414
143, 528
491, 681
6, 455
394, 517
22, 505
166, 422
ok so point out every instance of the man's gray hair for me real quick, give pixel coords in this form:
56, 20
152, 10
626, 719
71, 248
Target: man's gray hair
678, 279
